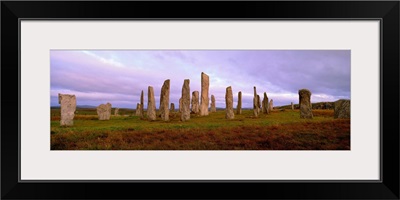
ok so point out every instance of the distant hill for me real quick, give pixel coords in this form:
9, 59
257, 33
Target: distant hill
85, 106
78, 106
318, 105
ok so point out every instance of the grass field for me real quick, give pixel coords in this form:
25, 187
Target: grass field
280, 130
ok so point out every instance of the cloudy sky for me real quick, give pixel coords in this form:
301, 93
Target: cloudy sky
119, 76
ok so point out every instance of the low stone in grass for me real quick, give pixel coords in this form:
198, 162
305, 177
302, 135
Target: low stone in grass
104, 111
342, 109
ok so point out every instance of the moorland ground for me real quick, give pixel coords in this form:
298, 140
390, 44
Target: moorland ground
279, 130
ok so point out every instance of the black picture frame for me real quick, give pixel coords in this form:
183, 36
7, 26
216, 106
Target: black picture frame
386, 11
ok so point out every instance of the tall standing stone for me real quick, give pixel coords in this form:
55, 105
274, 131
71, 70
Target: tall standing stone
180, 104
229, 103
292, 105
185, 114
116, 111
172, 108
342, 109
141, 106
258, 104
195, 102
239, 105
255, 103
305, 104
151, 105
138, 110
205, 84
164, 100
213, 107
104, 111
271, 105
68, 107
265, 108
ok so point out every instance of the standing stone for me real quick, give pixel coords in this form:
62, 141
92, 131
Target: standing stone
229, 103
292, 105
180, 104
255, 103
213, 107
116, 111
205, 83
68, 107
195, 102
151, 105
342, 109
172, 108
138, 109
104, 111
265, 104
164, 101
185, 114
258, 104
239, 105
141, 114
271, 105
305, 104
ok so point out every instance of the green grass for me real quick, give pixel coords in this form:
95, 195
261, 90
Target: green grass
282, 130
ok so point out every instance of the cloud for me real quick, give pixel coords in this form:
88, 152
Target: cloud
109, 61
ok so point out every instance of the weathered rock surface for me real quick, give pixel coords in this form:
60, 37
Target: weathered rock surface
239, 105
292, 105
258, 104
255, 103
229, 103
195, 102
265, 104
305, 104
271, 105
172, 107
185, 114
180, 104
116, 110
68, 108
138, 110
342, 109
164, 100
104, 111
205, 84
213, 107
151, 105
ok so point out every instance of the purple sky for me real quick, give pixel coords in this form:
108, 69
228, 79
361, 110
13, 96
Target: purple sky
119, 76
